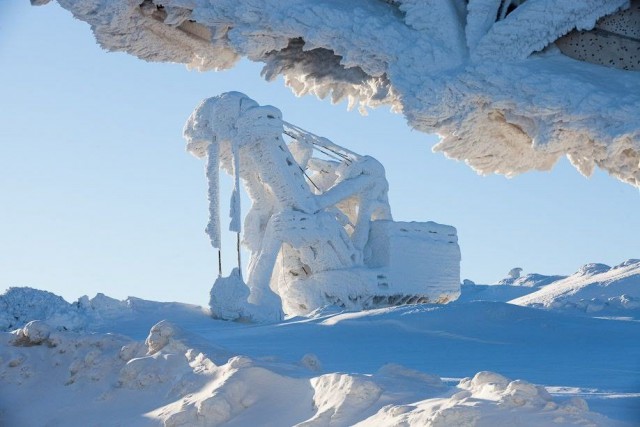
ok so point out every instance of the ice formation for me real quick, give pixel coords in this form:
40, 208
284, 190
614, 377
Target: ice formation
505, 83
319, 229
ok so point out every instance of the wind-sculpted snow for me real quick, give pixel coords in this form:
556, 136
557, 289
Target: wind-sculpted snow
487, 78
596, 289
171, 379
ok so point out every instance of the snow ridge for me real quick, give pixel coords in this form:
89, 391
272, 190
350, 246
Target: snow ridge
595, 289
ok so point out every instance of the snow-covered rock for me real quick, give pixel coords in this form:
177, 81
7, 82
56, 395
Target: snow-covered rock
35, 332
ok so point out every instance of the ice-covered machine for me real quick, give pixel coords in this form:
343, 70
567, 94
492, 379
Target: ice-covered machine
319, 229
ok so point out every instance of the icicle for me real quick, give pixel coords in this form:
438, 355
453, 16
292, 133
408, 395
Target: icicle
235, 212
213, 227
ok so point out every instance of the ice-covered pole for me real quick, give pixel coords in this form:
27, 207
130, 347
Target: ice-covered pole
213, 195
203, 142
235, 211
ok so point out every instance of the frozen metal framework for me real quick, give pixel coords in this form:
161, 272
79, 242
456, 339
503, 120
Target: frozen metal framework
319, 230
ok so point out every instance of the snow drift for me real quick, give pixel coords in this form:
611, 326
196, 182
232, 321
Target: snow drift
596, 289
126, 366
593, 290
486, 75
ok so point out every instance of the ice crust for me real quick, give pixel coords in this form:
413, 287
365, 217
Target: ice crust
500, 94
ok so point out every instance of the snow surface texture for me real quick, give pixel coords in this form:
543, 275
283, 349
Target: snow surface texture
319, 228
483, 74
595, 288
126, 366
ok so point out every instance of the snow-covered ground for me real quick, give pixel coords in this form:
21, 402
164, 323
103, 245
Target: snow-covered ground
476, 361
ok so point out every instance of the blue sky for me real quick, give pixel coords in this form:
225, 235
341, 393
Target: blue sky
98, 195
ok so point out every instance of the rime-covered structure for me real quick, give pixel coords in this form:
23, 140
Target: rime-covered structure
509, 85
319, 229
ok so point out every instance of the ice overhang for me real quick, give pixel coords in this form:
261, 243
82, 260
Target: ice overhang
509, 85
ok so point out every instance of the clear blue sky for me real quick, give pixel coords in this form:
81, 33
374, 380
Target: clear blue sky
98, 195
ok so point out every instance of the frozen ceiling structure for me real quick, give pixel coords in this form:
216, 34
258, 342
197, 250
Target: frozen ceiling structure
509, 85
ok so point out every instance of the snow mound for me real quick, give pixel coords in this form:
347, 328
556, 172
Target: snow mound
21, 305
228, 297
488, 399
483, 74
167, 381
18, 306
595, 289
331, 370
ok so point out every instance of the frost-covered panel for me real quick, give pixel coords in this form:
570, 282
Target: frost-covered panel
537, 23
485, 75
418, 256
612, 35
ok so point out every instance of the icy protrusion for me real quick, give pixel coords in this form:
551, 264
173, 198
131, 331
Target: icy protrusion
313, 220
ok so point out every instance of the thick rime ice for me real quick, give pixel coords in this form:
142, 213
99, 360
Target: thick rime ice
485, 75
319, 229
